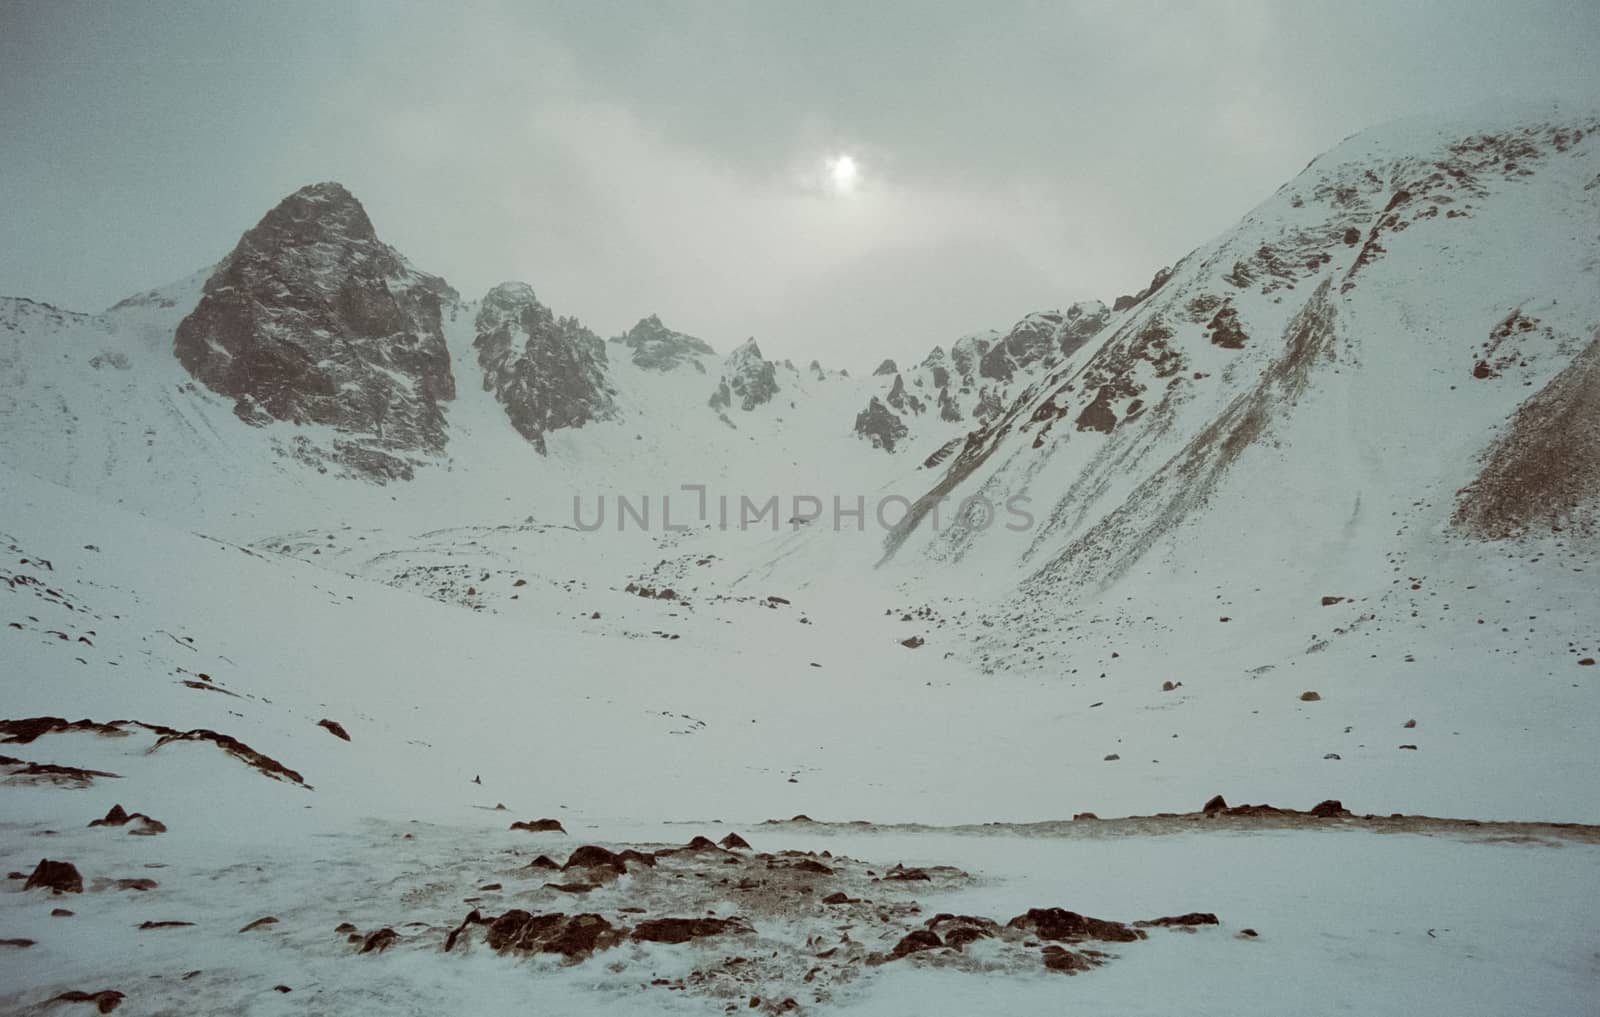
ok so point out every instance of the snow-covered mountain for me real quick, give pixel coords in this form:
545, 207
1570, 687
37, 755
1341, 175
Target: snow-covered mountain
313, 320
1368, 371
327, 569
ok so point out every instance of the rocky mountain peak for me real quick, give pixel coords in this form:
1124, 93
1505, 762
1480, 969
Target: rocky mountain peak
658, 348
548, 372
747, 378
325, 210
502, 304
1043, 337
313, 320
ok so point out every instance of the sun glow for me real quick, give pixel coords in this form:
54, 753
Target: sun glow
844, 174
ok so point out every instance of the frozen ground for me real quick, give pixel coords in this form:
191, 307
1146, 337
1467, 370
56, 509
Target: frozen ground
716, 731
1347, 921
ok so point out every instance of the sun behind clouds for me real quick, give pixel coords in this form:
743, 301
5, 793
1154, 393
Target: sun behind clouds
843, 174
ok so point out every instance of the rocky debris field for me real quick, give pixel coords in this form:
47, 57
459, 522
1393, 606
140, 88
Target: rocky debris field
740, 928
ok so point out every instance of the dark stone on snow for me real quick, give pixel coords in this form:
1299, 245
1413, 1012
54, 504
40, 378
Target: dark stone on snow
143, 825
959, 930
592, 856
681, 930
57, 877
1059, 958
574, 938
1068, 926
1191, 919
379, 941
106, 1000
916, 941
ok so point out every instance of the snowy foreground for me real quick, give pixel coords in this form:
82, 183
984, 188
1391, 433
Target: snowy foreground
453, 713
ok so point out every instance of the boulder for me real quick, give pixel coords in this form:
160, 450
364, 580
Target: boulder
57, 877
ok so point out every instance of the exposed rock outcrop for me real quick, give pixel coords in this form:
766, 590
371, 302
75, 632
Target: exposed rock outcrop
880, 425
748, 380
313, 320
548, 372
1043, 337
656, 347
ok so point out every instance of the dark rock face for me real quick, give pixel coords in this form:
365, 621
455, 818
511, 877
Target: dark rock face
549, 373
313, 320
900, 399
937, 364
1225, 329
1082, 322
1098, 415
57, 877
967, 354
886, 368
988, 405
747, 379
1043, 337
880, 425
1124, 302
1029, 341
1066, 926
334, 728
658, 348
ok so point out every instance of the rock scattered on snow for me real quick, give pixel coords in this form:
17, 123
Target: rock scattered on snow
57, 877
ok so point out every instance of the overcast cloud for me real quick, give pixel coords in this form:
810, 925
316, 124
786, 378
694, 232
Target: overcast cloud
629, 159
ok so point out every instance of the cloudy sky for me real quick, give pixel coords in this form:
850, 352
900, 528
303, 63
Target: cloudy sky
683, 158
